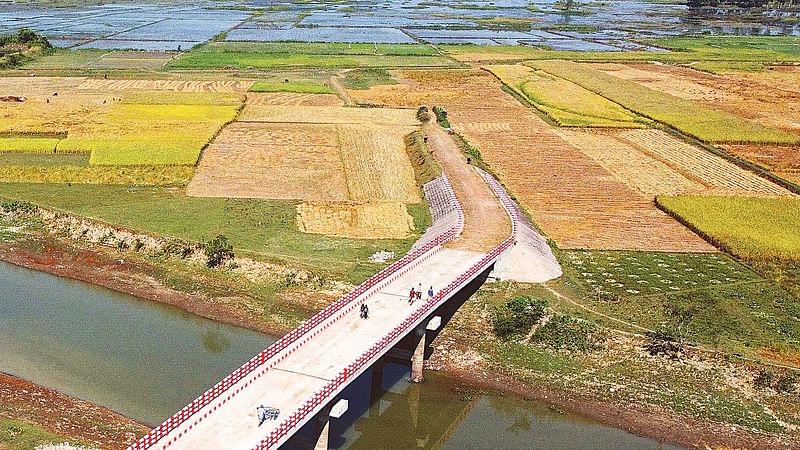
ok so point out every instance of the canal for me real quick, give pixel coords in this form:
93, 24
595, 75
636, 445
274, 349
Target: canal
146, 360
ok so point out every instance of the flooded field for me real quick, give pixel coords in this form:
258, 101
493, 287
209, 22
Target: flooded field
553, 24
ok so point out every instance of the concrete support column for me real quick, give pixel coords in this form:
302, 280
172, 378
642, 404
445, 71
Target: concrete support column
324, 423
418, 358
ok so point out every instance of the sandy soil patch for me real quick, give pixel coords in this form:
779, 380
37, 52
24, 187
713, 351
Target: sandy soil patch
292, 99
367, 220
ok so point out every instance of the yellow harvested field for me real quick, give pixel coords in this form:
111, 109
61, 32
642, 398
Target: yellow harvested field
360, 221
329, 114
634, 168
292, 99
575, 201
376, 163
721, 176
167, 85
255, 160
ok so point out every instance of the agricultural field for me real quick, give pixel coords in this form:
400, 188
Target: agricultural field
349, 165
769, 101
249, 56
572, 197
565, 103
707, 299
292, 99
707, 124
118, 122
759, 229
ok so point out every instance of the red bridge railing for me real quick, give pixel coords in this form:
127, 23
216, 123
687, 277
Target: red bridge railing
326, 394
283, 347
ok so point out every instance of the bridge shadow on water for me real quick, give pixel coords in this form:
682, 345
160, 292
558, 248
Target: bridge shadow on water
385, 409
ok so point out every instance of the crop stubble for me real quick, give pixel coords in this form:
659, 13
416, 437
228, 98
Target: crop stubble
573, 198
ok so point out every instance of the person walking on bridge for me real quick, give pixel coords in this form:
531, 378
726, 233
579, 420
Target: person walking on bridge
430, 293
412, 295
419, 291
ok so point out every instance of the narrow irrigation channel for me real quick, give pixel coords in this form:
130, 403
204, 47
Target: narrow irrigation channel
146, 360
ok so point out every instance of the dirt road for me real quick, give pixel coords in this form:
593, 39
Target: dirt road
486, 223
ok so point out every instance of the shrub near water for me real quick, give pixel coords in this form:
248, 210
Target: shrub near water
517, 316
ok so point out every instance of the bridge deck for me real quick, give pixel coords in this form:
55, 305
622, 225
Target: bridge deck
234, 424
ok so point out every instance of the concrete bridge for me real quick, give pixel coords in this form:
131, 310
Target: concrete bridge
302, 373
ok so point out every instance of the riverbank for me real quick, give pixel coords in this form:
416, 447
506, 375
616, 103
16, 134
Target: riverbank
177, 283
64, 416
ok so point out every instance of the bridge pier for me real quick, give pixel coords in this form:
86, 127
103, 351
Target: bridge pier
418, 357
324, 423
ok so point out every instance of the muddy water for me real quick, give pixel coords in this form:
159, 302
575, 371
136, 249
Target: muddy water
141, 358
147, 360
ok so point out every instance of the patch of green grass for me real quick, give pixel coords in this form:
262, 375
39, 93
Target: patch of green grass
719, 67
751, 228
28, 145
19, 435
701, 122
426, 168
725, 304
58, 170
219, 55
43, 159
302, 87
366, 78
564, 102
257, 227
767, 49
67, 59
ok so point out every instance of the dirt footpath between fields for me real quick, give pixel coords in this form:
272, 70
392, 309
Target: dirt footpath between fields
66, 416
486, 223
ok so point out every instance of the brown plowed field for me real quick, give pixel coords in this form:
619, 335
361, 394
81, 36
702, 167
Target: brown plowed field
634, 168
168, 85
721, 176
244, 161
292, 99
774, 157
368, 220
572, 197
329, 114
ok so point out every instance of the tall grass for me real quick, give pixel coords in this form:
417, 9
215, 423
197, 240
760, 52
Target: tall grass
706, 124
28, 145
753, 228
137, 175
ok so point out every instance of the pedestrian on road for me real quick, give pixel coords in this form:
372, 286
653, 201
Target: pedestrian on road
411, 296
366, 311
430, 293
419, 292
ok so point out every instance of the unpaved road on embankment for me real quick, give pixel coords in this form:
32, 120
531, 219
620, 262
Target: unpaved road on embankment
486, 223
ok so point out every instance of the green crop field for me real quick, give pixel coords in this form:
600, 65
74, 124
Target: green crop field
220, 55
28, 145
265, 228
566, 103
302, 87
752, 228
146, 134
706, 124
